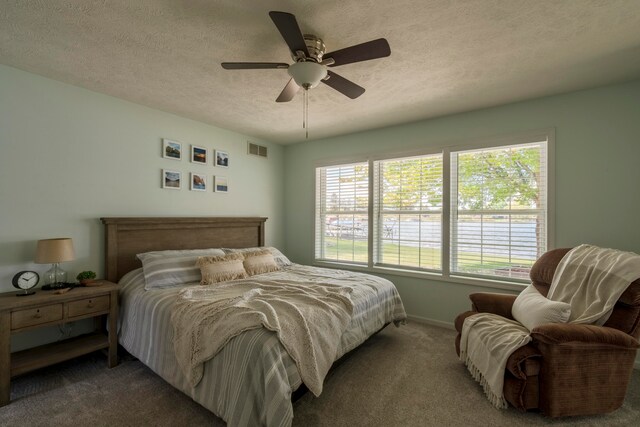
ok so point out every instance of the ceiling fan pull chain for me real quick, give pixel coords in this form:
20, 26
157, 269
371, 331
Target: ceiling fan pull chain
306, 112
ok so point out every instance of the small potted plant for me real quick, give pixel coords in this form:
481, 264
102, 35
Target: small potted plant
85, 277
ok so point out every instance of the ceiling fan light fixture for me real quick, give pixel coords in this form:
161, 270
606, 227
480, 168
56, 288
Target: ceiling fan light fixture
307, 74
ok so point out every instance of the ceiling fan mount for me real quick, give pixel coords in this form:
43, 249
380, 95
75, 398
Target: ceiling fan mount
312, 62
309, 70
315, 47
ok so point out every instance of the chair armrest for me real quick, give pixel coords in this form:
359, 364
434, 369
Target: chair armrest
562, 333
585, 369
493, 303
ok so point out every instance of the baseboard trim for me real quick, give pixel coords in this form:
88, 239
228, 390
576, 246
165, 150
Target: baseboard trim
433, 322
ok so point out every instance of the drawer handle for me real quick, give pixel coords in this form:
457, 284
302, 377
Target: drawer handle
37, 315
90, 304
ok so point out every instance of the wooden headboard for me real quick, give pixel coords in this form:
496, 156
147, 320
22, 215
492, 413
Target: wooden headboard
126, 237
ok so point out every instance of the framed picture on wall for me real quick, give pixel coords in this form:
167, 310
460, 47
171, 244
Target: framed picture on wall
198, 182
220, 184
171, 149
171, 179
199, 155
221, 159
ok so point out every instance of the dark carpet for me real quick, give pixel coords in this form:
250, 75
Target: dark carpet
406, 376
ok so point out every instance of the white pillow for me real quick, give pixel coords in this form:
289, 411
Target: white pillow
532, 309
221, 268
165, 269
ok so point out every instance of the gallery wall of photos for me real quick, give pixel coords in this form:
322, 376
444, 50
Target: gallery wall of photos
198, 178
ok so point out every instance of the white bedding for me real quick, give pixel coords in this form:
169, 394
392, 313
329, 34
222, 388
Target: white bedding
309, 319
250, 381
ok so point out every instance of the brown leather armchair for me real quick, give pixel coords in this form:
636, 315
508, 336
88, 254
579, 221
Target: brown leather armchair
567, 369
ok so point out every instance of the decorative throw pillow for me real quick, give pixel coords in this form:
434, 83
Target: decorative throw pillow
532, 309
278, 256
221, 268
258, 262
165, 269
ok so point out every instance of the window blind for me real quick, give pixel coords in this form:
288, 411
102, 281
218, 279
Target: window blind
408, 212
498, 210
342, 211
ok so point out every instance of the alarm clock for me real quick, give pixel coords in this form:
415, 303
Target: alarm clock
25, 280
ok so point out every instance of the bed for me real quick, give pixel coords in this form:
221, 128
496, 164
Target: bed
252, 379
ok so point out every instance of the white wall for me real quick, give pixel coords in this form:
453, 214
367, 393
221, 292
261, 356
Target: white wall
69, 156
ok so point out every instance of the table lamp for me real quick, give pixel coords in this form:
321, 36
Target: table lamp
55, 251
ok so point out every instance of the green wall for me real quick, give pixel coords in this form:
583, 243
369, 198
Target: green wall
597, 154
69, 156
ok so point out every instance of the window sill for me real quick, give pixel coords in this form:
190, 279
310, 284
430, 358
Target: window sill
460, 280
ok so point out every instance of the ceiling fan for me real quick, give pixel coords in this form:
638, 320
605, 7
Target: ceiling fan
311, 62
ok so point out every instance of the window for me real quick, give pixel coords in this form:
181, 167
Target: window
342, 213
480, 212
498, 210
408, 212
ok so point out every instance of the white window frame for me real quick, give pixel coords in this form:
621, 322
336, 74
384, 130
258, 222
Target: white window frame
445, 275
378, 213
364, 212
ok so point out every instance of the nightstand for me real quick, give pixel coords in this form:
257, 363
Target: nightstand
45, 309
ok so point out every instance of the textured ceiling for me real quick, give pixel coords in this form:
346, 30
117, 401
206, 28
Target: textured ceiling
446, 56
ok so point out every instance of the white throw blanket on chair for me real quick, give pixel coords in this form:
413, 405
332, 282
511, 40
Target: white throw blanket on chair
589, 278
592, 279
486, 342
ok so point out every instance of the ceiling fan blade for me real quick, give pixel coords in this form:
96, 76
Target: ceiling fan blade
288, 92
253, 65
290, 31
373, 49
342, 85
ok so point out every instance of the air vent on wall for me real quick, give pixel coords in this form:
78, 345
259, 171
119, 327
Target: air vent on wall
256, 150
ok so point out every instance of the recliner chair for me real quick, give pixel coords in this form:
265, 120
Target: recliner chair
567, 369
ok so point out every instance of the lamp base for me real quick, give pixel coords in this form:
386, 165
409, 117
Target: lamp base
59, 285
55, 275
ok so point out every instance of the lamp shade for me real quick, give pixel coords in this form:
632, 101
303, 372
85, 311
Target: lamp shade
50, 251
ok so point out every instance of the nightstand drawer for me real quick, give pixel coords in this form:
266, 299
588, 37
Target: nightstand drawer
88, 306
36, 316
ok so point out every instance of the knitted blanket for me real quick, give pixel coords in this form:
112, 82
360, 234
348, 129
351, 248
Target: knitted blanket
309, 321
